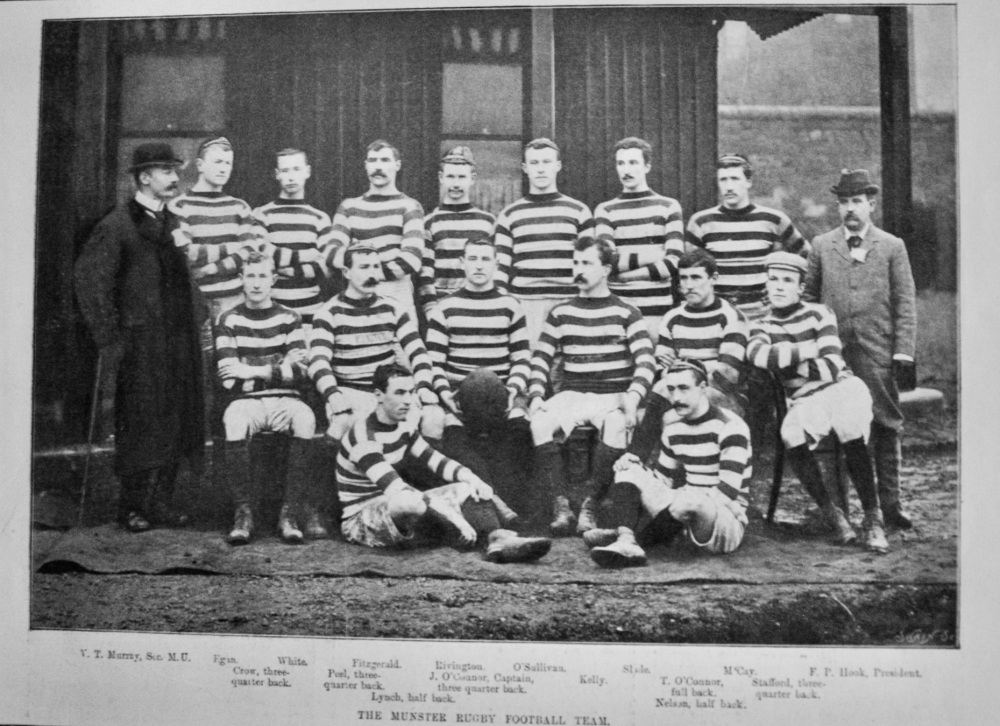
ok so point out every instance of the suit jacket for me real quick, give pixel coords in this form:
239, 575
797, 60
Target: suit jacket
874, 300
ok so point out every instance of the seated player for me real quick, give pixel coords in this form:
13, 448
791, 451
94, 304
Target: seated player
382, 510
356, 332
700, 482
478, 343
607, 361
261, 360
798, 342
705, 328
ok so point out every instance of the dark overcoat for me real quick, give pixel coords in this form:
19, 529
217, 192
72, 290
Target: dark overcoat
134, 291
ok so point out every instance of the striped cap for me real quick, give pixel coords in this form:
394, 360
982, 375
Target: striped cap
689, 364
217, 141
785, 261
459, 155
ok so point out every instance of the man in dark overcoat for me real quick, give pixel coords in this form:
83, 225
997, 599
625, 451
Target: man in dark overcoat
863, 274
136, 297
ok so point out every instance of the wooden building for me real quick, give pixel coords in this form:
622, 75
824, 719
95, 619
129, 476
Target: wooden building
331, 83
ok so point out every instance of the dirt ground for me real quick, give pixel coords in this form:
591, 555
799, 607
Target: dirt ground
919, 612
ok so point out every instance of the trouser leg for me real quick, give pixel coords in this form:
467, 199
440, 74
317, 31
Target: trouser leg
647, 434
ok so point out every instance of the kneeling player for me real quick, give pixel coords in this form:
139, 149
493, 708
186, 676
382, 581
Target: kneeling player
700, 482
381, 509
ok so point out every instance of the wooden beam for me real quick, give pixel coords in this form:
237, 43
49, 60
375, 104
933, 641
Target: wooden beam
543, 79
894, 81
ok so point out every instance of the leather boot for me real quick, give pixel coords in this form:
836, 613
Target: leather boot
552, 479
602, 474
888, 454
134, 490
837, 520
506, 546
287, 525
624, 552
874, 534
313, 524
161, 509
235, 474
508, 517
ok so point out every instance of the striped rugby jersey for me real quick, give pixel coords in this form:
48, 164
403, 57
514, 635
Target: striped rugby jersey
261, 337
214, 227
471, 329
534, 240
351, 338
800, 344
649, 234
292, 224
391, 223
371, 451
716, 333
712, 450
604, 346
446, 229
739, 240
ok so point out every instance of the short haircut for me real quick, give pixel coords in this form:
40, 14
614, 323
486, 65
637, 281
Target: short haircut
257, 258
634, 142
387, 371
542, 143
607, 253
698, 258
479, 238
379, 144
354, 250
290, 151
220, 141
731, 161
696, 367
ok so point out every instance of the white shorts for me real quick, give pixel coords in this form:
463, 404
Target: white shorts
372, 526
657, 491
569, 409
246, 417
845, 408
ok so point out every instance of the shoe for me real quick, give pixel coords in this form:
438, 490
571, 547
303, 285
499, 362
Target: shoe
874, 534
835, 517
563, 518
506, 546
242, 526
314, 528
288, 527
624, 552
135, 522
166, 516
599, 537
896, 518
508, 517
588, 518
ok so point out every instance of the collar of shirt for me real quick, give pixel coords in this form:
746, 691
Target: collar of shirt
859, 253
860, 233
153, 205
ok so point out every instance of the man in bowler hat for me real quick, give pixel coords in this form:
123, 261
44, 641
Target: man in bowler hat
863, 274
135, 294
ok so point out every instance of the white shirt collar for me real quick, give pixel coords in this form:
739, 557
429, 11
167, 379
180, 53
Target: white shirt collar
150, 203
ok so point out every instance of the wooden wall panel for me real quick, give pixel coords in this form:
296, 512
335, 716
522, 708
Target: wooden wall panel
648, 73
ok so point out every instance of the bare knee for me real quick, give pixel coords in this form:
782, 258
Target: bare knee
407, 504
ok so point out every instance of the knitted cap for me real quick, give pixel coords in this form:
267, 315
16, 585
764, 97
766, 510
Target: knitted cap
785, 261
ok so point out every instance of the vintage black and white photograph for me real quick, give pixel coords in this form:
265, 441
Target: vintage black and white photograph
580, 324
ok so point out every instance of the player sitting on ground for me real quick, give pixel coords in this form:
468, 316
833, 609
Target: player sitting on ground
700, 482
381, 509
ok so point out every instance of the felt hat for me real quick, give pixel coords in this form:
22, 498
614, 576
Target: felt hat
154, 153
854, 182
785, 261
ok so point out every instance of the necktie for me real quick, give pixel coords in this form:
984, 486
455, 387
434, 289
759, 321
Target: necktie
853, 242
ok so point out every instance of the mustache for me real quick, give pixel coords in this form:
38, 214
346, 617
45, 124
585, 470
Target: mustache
370, 282
579, 278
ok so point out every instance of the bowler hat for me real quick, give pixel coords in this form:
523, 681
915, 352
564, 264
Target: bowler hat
154, 153
854, 182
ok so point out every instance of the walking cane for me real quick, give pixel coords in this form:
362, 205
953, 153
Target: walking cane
94, 404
